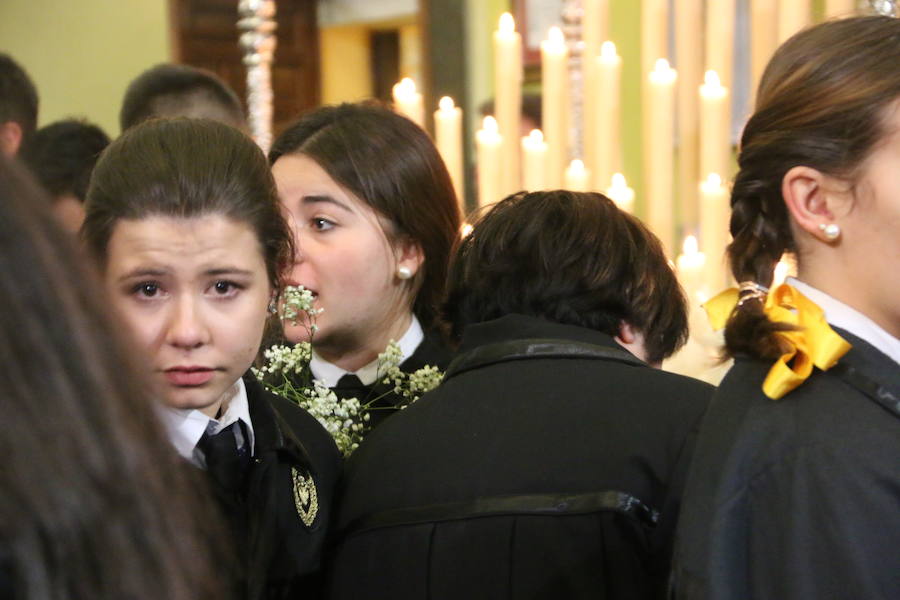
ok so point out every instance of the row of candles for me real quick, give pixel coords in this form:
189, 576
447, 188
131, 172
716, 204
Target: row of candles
673, 102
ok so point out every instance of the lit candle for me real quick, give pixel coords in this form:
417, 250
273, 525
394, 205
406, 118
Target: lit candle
839, 8
691, 265
621, 194
763, 38
408, 102
594, 31
508, 96
654, 31
489, 145
534, 161
793, 15
577, 177
720, 21
688, 30
715, 138
715, 214
605, 137
659, 139
448, 137
555, 103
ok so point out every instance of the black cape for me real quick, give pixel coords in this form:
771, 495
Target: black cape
800, 497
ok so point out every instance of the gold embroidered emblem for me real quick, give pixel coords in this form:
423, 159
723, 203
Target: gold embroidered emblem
306, 500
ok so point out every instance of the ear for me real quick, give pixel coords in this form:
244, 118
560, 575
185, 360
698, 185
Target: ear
10, 138
409, 254
811, 199
633, 340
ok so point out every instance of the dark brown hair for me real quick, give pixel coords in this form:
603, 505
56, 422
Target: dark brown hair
18, 97
169, 90
571, 258
187, 168
95, 502
388, 162
821, 103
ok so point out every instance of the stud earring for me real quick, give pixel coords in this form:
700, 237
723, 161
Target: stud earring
404, 272
831, 231
273, 306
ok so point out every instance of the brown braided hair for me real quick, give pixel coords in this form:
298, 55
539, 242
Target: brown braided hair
821, 103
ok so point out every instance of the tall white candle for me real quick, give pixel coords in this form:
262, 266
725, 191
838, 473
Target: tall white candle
577, 178
688, 30
620, 193
793, 15
720, 22
594, 31
508, 97
606, 135
654, 32
691, 268
448, 137
659, 138
715, 214
839, 8
555, 104
408, 102
715, 138
534, 161
489, 147
763, 38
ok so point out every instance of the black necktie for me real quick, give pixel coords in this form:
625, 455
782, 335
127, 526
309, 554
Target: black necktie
350, 386
226, 463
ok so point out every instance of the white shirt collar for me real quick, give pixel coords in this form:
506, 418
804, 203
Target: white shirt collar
329, 373
186, 426
840, 315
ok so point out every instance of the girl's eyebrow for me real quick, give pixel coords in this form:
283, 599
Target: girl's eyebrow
319, 198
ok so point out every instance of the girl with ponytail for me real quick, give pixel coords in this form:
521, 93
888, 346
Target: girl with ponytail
794, 491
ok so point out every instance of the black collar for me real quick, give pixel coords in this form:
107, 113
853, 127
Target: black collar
272, 432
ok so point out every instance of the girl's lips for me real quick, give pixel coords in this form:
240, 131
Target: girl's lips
189, 376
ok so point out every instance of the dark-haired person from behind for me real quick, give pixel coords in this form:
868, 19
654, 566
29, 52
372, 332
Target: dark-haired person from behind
183, 218
62, 156
794, 492
18, 106
550, 461
94, 503
169, 90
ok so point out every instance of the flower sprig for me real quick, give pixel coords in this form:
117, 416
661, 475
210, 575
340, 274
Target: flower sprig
286, 372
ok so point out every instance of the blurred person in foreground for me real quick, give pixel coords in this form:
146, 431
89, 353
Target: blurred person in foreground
95, 504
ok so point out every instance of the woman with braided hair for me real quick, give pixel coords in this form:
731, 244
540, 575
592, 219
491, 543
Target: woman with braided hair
794, 491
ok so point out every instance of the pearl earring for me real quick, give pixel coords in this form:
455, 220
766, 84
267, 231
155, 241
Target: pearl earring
832, 231
404, 272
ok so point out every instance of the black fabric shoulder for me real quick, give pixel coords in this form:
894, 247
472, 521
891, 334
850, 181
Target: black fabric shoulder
431, 351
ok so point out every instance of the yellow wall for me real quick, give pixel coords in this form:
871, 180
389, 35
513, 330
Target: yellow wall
346, 63
81, 54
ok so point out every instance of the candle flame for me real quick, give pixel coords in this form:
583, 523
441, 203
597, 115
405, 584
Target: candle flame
490, 125
465, 230
714, 180
507, 23
608, 50
618, 182
576, 165
690, 246
405, 89
661, 66
536, 135
446, 103
556, 37
711, 78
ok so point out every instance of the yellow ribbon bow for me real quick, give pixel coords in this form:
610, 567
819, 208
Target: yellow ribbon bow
813, 342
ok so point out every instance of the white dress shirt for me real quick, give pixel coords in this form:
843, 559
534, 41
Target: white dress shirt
840, 315
187, 425
329, 373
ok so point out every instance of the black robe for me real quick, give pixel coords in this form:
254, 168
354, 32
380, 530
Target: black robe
799, 497
548, 464
279, 555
